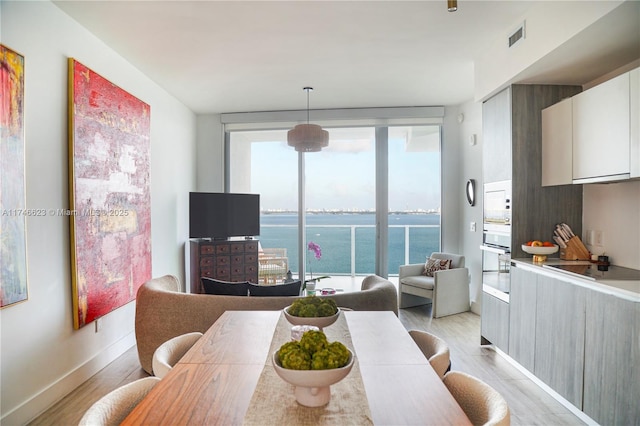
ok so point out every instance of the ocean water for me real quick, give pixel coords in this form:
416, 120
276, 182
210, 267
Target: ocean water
334, 234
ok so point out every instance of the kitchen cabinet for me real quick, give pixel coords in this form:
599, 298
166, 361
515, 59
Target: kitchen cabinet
496, 138
557, 144
601, 131
582, 342
522, 316
494, 324
512, 150
559, 344
612, 357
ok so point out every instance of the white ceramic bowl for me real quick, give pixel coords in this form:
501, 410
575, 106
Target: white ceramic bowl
320, 322
540, 250
312, 387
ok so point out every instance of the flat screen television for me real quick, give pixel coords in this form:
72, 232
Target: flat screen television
221, 215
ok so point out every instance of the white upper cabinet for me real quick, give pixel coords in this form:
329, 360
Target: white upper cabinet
601, 132
557, 138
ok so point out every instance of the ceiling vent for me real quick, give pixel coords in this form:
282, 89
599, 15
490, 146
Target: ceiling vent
517, 35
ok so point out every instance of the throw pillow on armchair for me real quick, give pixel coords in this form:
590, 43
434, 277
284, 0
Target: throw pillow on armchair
432, 265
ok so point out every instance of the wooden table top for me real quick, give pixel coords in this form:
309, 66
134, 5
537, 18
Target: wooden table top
214, 382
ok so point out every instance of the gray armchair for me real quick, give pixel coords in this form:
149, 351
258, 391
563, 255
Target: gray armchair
447, 289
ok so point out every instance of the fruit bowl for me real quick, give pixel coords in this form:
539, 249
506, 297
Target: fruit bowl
312, 387
540, 250
320, 322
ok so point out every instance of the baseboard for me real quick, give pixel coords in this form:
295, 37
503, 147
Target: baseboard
43, 400
555, 395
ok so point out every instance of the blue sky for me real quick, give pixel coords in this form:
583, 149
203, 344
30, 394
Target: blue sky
342, 176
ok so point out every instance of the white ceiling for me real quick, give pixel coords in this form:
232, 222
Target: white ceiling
238, 56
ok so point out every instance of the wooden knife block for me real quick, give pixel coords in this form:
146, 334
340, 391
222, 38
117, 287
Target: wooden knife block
575, 250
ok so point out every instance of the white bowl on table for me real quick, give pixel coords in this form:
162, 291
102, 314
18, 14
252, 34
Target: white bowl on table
320, 322
312, 387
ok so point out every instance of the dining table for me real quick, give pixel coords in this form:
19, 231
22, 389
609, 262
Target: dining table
227, 378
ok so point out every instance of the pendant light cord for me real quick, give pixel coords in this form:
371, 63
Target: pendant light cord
308, 89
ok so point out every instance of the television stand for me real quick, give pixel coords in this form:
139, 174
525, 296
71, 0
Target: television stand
226, 260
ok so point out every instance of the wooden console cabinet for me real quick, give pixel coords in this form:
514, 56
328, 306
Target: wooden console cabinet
227, 260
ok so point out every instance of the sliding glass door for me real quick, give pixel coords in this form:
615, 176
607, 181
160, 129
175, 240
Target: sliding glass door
414, 194
343, 186
340, 201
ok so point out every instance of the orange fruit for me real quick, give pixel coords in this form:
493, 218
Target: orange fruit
547, 244
528, 243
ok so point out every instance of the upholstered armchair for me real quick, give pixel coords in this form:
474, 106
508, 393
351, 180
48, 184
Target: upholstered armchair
448, 289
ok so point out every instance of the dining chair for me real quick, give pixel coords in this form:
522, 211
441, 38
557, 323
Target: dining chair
111, 409
170, 352
434, 349
482, 404
225, 288
287, 289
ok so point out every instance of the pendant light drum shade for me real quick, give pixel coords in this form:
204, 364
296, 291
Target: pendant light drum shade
308, 138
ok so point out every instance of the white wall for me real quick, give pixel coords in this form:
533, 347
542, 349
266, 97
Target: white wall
42, 356
471, 168
614, 209
452, 189
210, 159
548, 26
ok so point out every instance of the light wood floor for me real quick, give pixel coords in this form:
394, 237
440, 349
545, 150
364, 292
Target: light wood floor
529, 404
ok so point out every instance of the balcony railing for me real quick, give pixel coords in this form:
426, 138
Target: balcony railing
350, 249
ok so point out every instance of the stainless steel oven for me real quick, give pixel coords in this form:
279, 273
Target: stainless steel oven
495, 271
497, 204
496, 239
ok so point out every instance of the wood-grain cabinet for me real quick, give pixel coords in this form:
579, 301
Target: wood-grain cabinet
581, 342
599, 128
522, 316
494, 324
612, 360
511, 150
560, 328
226, 260
496, 138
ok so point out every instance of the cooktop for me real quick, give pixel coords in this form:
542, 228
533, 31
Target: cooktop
599, 272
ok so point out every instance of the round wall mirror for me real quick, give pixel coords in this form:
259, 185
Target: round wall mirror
471, 192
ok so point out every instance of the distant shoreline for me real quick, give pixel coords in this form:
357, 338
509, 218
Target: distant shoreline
398, 212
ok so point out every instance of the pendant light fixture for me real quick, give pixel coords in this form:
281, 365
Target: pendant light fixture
308, 137
452, 5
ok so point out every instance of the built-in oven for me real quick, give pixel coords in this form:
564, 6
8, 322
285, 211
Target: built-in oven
496, 239
496, 263
497, 203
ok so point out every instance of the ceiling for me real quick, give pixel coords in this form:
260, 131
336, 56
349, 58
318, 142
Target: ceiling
239, 56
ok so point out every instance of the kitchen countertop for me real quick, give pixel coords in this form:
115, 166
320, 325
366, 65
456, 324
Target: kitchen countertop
626, 289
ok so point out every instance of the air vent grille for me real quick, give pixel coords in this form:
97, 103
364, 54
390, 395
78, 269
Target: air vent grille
517, 35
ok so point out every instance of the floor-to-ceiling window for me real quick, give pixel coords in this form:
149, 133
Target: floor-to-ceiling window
262, 163
342, 189
414, 194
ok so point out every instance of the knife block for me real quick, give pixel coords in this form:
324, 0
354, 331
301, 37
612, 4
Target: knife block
575, 250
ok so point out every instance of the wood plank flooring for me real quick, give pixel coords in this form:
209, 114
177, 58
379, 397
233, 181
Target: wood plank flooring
529, 404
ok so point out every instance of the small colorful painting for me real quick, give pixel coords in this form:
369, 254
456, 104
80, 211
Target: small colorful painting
109, 154
13, 228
